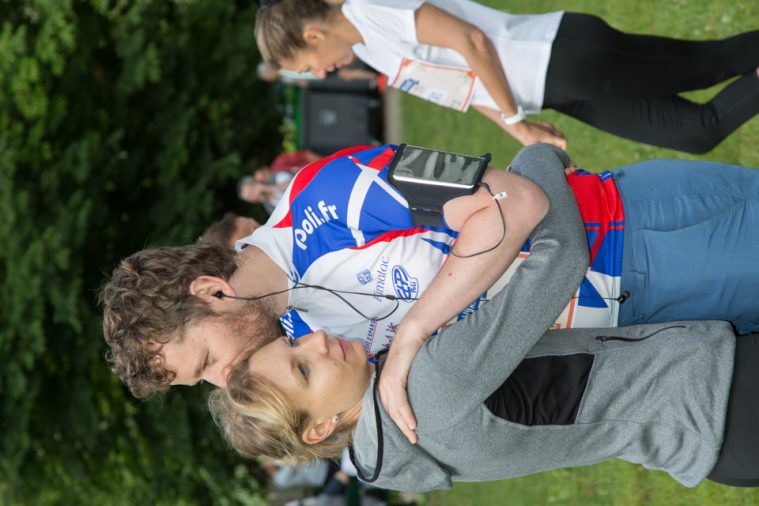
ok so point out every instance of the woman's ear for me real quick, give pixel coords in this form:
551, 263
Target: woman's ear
313, 34
318, 431
211, 289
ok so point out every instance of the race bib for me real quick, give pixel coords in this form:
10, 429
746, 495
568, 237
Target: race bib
447, 86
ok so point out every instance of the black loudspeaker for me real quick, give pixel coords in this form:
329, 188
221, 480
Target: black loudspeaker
335, 119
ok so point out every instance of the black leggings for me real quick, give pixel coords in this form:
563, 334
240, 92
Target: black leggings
628, 84
738, 463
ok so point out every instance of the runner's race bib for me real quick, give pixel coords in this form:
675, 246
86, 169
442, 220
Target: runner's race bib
450, 87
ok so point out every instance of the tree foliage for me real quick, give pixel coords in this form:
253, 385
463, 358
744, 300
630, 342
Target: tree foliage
123, 124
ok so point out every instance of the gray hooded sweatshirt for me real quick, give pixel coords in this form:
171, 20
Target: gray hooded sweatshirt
658, 397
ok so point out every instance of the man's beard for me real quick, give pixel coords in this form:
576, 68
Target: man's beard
254, 323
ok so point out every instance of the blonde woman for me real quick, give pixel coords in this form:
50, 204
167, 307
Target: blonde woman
495, 398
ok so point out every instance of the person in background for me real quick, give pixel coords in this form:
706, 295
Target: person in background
459, 53
328, 479
268, 183
283, 476
228, 230
292, 162
267, 193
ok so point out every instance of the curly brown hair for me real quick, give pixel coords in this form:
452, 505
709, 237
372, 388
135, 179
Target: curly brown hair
147, 302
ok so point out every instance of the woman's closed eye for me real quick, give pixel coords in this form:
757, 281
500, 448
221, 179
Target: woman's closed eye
303, 371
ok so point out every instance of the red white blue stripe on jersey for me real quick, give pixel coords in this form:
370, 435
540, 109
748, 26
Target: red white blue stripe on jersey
347, 198
601, 209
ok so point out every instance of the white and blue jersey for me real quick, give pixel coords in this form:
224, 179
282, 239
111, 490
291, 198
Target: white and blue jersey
342, 226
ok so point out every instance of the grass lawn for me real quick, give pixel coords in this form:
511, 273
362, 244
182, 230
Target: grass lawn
612, 483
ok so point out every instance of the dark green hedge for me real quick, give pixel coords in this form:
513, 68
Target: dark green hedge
123, 124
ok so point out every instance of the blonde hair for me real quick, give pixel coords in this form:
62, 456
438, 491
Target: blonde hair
279, 27
256, 418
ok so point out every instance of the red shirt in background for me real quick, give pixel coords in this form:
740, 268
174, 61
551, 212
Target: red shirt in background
286, 162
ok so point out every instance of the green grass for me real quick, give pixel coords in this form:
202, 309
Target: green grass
611, 483
608, 484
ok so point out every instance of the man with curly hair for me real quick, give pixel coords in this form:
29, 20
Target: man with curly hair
180, 315
164, 326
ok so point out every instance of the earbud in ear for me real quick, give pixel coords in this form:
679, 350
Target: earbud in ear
219, 294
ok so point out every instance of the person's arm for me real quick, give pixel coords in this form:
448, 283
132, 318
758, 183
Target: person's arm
467, 361
437, 27
462, 280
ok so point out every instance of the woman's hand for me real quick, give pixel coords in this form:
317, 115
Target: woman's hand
527, 133
392, 386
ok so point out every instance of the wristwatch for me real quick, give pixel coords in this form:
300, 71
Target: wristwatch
516, 118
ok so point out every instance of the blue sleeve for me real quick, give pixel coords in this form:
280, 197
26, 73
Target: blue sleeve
293, 324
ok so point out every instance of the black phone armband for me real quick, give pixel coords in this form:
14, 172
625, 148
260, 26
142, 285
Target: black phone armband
429, 178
